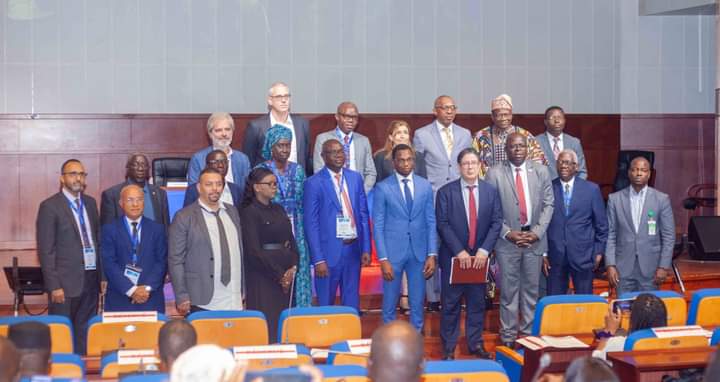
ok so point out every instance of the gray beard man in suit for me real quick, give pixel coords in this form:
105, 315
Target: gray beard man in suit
527, 203
556, 140
641, 233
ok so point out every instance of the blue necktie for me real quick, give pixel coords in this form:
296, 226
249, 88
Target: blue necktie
408, 195
566, 199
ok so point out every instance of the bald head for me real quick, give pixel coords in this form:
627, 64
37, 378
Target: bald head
9, 360
516, 148
639, 173
132, 201
175, 337
396, 353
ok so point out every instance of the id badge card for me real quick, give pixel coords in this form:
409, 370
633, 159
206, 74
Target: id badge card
132, 273
343, 228
292, 223
652, 227
90, 259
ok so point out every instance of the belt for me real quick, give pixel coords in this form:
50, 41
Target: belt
275, 246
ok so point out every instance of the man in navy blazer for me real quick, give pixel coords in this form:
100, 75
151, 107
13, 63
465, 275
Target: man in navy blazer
578, 231
337, 227
134, 251
453, 208
232, 193
405, 234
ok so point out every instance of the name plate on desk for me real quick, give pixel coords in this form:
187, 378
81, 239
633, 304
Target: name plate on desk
681, 331
136, 357
359, 346
565, 342
265, 352
114, 317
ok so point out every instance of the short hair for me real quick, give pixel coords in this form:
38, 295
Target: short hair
329, 142
570, 152
551, 108
9, 360
590, 369
401, 147
33, 343
467, 151
203, 363
276, 84
396, 353
210, 170
67, 162
647, 311
133, 155
175, 337
212, 153
217, 117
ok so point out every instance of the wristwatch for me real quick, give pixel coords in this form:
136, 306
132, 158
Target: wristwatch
148, 288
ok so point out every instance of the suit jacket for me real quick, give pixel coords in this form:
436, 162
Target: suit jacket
110, 207
440, 168
240, 166
255, 139
624, 243
581, 234
384, 167
396, 229
569, 142
116, 249
322, 207
364, 163
452, 220
189, 251
59, 244
192, 195
541, 199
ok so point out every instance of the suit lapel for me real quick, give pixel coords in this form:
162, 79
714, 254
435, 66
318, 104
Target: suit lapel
457, 195
625, 201
532, 186
511, 179
69, 214
438, 139
397, 193
456, 145
328, 184
200, 219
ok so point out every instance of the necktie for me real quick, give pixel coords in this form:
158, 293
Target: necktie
408, 195
224, 251
346, 148
134, 240
556, 147
566, 199
345, 199
472, 217
448, 140
83, 226
521, 197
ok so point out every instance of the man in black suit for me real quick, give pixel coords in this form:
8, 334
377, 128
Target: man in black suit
67, 241
137, 172
279, 104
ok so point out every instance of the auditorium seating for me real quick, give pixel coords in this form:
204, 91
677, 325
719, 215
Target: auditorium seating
228, 328
158, 377
715, 340
464, 370
331, 373
67, 365
104, 337
674, 303
345, 359
569, 314
110, 368
61, 332
304, 357
319, 326
705, 308
647, 340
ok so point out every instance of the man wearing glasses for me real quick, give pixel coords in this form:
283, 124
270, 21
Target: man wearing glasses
67, 243
137, 172
231, 194
278, 101
358, 154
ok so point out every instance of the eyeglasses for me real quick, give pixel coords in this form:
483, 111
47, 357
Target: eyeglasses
447, 108
334, 152
349, 116
76, 174
271, 184
566, 162
217, 161
134, 200
280, 97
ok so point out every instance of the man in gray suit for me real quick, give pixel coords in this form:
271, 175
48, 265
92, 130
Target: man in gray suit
205, 255
527, 201
641, 233
278, 101
555, 140
67, 244
358, 154
440, 143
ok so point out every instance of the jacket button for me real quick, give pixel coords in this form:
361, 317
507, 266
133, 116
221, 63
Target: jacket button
212, 276
212, 259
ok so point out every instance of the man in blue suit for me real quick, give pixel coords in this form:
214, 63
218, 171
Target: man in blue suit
337, 227
405, 234
232, 193
578, 231
134, 252
469, 220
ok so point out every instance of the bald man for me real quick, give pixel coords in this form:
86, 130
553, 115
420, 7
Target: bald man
175, 337
134, 252
9, 360
396, 353
641, 233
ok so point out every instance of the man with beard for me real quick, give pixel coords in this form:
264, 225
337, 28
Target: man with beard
67, 240
137, 172
205, 251
220, 128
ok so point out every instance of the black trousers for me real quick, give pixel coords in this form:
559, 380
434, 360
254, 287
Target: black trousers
79, 309
451, 296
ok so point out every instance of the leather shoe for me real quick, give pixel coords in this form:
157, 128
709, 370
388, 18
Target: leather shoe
480, 353
433, 307
448, 357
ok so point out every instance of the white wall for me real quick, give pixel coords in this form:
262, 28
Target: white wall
174, 56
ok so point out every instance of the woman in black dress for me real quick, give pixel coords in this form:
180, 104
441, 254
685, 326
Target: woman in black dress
269, 248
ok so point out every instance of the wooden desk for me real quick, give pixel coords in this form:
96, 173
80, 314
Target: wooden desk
651, 365
561, 357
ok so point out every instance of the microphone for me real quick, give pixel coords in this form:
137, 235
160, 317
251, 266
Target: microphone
545, 361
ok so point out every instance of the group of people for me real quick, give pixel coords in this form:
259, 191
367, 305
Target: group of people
257, 232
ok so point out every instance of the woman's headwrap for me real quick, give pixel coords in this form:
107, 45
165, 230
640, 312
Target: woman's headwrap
273, 135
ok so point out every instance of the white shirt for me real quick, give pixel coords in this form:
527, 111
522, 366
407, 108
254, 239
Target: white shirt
523, 176
226, 196
229, 176
551, 139
289, 125
130, 291
225, 297
345, 210
410, 183
571, 183
88, 226
441, 128
637, 201
466, 202
341, 137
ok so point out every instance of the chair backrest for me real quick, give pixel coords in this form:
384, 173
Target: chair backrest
228, 328
61, 332
104, 337
67, 365
705, 308
169, 170
319, 326
344, 357
715, 340
674, 303
331, 373
304, 357
110, 368
623, 165
569, 314
464, 370
646, 340
156, 377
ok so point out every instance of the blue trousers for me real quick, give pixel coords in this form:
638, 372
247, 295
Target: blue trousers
344, 275
416, 290
560, 274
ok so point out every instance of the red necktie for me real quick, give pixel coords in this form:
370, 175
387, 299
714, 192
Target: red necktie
472, 216
346, 200
521, 197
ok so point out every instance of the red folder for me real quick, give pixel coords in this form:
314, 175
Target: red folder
468, 275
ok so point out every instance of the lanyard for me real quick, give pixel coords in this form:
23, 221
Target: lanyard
281, 186
80, 212
134, 240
